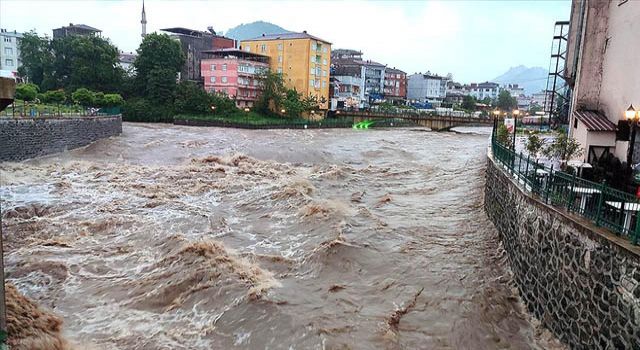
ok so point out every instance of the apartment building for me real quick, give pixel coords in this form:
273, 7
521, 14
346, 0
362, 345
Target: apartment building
602, 72
10, 50
75, 29
426, 87
233, 72
395, 84
303, 59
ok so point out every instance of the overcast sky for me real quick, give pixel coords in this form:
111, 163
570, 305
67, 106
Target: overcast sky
474, 40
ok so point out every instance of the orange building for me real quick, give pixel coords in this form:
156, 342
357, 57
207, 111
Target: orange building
303, 59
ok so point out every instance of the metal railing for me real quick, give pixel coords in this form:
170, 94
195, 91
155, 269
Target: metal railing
605, 206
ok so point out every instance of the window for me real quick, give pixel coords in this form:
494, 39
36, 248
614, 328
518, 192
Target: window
8, 51
224, 79
324, 83
324, 73
263, 48
280, 70
7, 39
213, 67
314, 46
8, 62
324, 49
213, 79
311, 70
575, 123
224, 66
279, 47
312, 83
324, 61
248, 48
280, 59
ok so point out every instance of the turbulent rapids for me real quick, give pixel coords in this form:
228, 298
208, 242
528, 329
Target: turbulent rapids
174, 237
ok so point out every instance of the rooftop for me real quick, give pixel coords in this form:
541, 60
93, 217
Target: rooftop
287, 36
595, 121
233, 52
81, 26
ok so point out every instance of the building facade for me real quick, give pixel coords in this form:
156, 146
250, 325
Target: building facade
194, 43
484, 90
10, 51
125, 61
303, 59
513, 89
234, 73
602, 71
395, 84
75, 29
426, 87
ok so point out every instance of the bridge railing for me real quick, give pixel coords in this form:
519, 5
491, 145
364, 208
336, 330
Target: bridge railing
603, 205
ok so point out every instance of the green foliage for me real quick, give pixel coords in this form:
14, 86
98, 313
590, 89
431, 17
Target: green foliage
534, 145
27, 92
224, 105
98, 99
161, 86
273, 94
292, 104
113, 100
506, 102
563, 148
190, 98
84, 97
55, 96
37, 58
158, 51
142, 110
535, 108
503, 136
468, 103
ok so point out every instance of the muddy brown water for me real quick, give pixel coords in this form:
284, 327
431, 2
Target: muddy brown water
172, 237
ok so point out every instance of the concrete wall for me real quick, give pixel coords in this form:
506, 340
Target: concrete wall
581, 282
27, 138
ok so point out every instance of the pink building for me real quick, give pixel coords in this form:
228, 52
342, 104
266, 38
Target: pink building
233, 72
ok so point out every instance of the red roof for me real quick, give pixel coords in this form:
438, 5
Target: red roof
595, 121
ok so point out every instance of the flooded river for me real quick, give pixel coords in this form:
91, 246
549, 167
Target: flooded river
174, 237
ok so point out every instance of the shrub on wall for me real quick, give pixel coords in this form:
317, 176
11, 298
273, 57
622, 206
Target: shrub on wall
143, 110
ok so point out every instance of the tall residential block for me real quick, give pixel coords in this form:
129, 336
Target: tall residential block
303, 59
10, 50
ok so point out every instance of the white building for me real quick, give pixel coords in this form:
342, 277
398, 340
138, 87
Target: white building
426, 87
10, 50
484, 90
125, 61
513, 89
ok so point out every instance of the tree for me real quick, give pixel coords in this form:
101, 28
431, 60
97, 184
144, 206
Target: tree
292, 105
273, 93
468, 103
98, 99
161, 86
503, 136
83, 97
158, 51
506, 102
534, 145
85, 61
563, 148
310, 103
37, 58
190, 97
26, 92
535, 108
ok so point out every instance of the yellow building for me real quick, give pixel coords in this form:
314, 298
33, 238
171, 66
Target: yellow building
303, 59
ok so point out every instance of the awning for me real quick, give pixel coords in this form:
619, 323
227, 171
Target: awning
595, 121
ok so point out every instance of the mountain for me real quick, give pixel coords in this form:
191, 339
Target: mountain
532, 79
254, 30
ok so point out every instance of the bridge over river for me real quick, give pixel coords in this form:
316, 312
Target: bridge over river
433, 121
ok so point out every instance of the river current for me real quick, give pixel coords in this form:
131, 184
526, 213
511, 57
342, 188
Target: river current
173, 237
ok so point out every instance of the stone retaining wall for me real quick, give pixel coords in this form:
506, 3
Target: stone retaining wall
23, 138
580, 281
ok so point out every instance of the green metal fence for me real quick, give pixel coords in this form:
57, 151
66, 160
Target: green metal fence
605, 206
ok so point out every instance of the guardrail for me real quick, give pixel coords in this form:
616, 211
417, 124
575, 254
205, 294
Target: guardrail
605, 206
248, 123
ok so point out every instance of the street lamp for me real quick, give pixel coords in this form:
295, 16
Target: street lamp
283, 111
496, 114
632, 116
213, 108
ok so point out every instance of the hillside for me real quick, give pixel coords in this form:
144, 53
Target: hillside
253, 30
533, 79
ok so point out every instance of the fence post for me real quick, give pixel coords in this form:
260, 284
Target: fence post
599, 209
636, 232
548, 186
526, 173
572, 194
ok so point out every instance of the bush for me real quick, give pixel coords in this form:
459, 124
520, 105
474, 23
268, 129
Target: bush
113, 100
55, 96
191, 99
27, 92
98, 99
83, 97
143, 110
